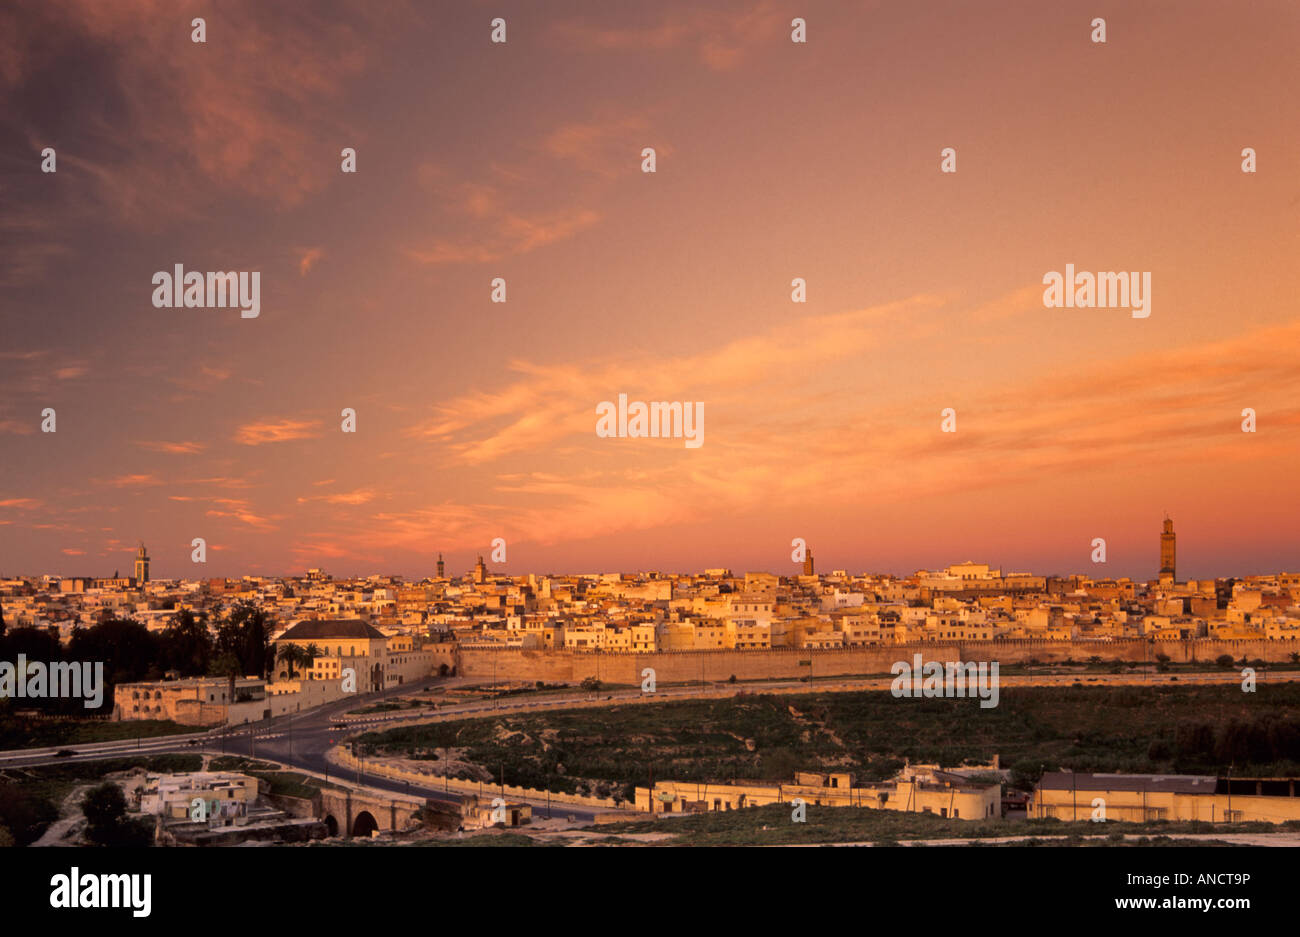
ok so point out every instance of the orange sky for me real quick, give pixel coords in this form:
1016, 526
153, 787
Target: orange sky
775, 160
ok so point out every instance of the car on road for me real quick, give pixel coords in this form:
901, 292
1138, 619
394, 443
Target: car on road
64, 753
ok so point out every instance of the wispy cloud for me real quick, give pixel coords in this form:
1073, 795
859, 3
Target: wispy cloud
307, 257
131, 481
174, 448
360, 496
509, 234
719, 39
256, 521
258, 434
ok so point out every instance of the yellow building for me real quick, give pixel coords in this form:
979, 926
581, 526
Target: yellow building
352, 644
192, 701
346, 637
1144, 797
917, 789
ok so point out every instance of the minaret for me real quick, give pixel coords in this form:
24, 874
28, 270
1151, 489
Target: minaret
480, 572
808, 564
441, 567
1167, 552
141, 566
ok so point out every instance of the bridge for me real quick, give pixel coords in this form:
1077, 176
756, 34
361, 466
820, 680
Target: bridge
360, 813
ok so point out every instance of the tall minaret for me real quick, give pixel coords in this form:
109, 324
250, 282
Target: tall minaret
480, 572
808, 564
1167, 551
441, 567
141, 566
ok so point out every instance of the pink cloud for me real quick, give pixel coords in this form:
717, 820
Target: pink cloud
174, 448
257, 434
307, 257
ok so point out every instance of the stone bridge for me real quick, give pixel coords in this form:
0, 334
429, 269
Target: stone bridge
360, 813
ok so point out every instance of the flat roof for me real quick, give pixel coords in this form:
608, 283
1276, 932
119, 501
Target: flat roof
1151, 783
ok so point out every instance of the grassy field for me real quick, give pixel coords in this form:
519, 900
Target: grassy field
291, 783
1189, 729
20, 732
771, 825
239, 763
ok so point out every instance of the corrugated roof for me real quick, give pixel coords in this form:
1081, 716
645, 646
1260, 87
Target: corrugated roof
1151, 783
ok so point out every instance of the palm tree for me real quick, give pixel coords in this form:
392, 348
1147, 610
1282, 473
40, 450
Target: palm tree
309, 655
289, 654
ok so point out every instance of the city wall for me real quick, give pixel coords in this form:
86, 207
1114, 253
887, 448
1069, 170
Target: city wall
395, 771
506, 665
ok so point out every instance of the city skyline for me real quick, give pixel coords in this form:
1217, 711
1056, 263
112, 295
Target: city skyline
1167, 570
477, 420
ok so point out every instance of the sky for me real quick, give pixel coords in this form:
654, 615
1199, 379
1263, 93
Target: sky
522, 160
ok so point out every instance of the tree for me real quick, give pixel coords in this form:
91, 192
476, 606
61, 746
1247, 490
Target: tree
779, 764
37, 644
127, 648
187, 646
290, 654
244, 635
1025, 774
104, 808
24, 814
254, 646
